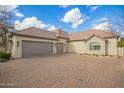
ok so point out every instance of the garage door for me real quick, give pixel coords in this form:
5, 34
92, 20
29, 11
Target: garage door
31, 48
59, 48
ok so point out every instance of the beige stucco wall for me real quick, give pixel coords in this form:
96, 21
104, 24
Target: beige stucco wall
76, 47
102, 46
83, 47
79, 47
17, 50
112, 46
64, 41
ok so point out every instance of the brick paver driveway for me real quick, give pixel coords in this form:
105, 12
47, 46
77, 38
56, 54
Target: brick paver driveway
67, 70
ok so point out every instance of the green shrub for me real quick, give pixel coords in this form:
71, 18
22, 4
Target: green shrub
4, 55
120, 43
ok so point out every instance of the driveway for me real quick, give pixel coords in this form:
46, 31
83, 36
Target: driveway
67, 70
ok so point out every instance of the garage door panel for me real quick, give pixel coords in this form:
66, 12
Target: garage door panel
30, 48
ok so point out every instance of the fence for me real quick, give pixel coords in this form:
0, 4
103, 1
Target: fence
121, 51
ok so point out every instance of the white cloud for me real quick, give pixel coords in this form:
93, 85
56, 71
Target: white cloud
75, 25
29, 22
101, 19
74, 17
93, 7
18, 14
11, 8
64, 6
102, 26
122, 33
52, 27
8, 7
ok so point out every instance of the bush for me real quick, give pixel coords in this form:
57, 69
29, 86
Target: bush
120, 43
4, 55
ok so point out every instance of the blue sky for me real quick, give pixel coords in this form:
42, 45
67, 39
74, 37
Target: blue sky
69, 18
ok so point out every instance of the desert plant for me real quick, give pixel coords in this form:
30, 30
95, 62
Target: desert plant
4, 55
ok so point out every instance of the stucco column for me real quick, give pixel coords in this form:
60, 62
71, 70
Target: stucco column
13, 51
54, 48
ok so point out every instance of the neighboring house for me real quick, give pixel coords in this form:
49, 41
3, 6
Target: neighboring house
35, 41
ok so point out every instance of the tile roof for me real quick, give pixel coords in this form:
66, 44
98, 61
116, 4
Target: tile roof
37, 32
84, 35
59, 33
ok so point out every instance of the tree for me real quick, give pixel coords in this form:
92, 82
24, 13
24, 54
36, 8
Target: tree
5, 26
118, 23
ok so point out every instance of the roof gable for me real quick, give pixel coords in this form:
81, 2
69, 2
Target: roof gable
94, 36
87, 34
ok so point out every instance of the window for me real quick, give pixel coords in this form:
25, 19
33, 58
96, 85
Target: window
94, 46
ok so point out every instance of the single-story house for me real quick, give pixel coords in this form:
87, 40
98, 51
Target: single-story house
35, 41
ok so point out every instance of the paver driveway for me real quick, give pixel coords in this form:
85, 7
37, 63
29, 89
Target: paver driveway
67, 70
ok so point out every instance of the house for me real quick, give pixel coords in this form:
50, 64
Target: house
35, 41
93, 42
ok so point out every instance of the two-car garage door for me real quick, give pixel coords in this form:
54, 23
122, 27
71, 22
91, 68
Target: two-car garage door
31, 48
